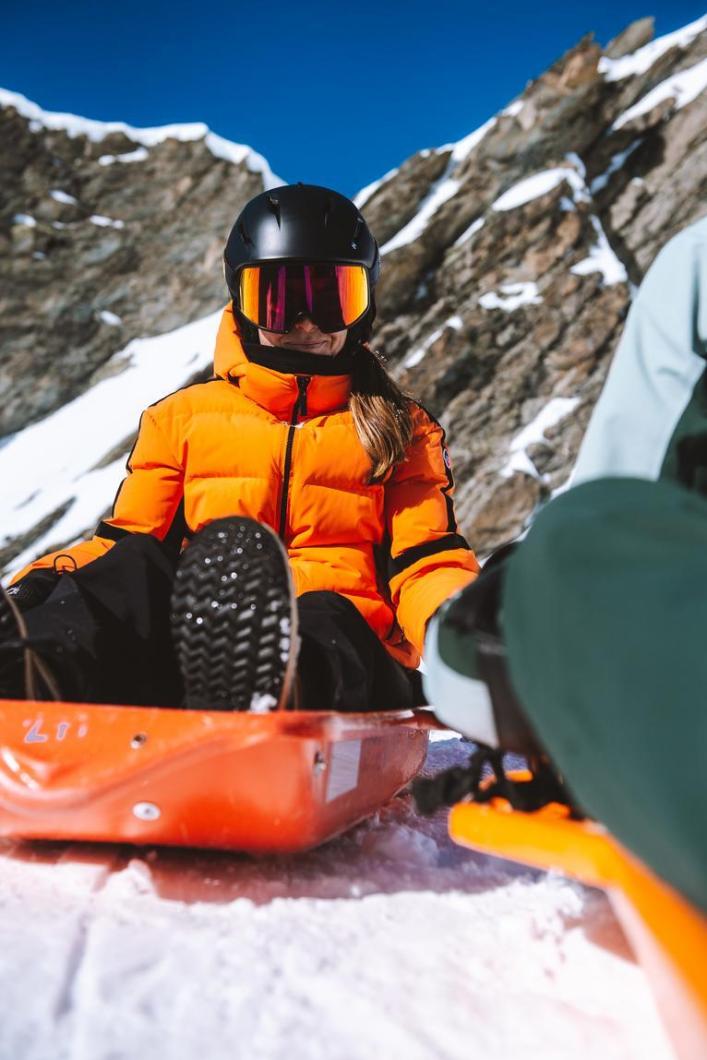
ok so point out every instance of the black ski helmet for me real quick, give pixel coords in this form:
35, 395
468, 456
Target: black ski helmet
301, 222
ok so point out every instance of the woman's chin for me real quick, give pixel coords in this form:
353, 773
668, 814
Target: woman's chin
323, 349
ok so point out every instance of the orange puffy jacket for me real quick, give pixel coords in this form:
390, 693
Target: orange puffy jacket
282, 448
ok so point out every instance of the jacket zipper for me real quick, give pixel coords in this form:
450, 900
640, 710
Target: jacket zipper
300, 409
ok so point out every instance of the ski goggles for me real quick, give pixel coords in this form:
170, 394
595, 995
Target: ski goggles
274, 295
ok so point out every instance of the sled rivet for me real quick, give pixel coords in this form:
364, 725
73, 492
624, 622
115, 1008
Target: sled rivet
147, 811
319, 763
138, 739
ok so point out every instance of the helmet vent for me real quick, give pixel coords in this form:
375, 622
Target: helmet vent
357, 229
274, 206
244, 235
327, 211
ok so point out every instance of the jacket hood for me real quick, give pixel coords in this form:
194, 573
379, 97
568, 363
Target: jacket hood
268, 375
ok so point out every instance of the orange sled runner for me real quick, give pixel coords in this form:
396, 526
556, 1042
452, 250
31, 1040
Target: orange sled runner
278, 782
668, 934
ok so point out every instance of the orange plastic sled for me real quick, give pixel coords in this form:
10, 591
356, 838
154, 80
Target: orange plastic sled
278, 782
668, 934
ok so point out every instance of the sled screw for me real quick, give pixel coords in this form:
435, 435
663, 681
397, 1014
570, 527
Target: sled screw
146, 811
319, 763
138, 739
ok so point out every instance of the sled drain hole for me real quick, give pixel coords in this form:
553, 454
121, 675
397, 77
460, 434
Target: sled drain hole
147, 811
138, 739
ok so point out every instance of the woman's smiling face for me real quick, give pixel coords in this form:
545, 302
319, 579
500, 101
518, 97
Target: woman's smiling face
305, 335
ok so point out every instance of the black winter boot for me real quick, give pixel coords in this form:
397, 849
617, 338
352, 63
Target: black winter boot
234, 619
24, 674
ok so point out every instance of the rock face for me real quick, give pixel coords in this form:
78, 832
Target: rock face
508, 258
515, 293
102, 241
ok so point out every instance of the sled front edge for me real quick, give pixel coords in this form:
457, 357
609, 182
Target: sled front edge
277, 782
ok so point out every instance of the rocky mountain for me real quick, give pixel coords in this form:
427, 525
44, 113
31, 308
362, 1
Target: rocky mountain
508, 264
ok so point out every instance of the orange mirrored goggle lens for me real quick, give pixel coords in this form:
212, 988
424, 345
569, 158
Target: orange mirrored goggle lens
272, 296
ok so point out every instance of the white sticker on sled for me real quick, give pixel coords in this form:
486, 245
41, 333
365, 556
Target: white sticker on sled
344, 764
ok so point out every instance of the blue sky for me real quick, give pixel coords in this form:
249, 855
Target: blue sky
331, 93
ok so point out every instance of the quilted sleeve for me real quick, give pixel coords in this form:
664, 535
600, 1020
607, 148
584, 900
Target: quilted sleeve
149, 500
430, 559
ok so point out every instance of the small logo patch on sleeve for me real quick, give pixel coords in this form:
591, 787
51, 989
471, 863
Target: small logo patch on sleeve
446, 458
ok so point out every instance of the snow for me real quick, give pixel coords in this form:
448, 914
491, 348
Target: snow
683, 87
556, 410
97, 131
601, 259
463, 148
389, 941
24, 219
642, 59
138, 155
540, 184
105, 222
418, 353
64, 197
262, 703
110, 318
617, 162
441, 191
513, 295
144, 371
467, 234
362, 197
513, 109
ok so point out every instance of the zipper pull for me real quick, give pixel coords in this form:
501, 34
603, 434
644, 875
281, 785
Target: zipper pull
303, 382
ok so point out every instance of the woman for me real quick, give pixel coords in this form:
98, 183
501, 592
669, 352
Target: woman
300, 470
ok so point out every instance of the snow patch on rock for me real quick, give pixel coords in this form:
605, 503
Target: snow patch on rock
601, 259
556, 410
97, 131
63, 197
138, 155
441, 191
469, 232
362, 197
418, 353
112, 319
683, 87
617, 162
642, 59
512, 296
539, 184
105, 222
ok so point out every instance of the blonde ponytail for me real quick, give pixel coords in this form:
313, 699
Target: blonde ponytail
381, 413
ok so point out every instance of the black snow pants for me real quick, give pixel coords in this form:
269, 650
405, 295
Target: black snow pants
105, 631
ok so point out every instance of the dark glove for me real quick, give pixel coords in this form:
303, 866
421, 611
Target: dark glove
34, 588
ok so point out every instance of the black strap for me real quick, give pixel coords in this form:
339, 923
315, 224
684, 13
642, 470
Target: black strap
430, 548
178, 530
474, 781
110, 532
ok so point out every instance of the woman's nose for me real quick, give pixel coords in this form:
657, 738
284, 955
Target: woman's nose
304, 323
